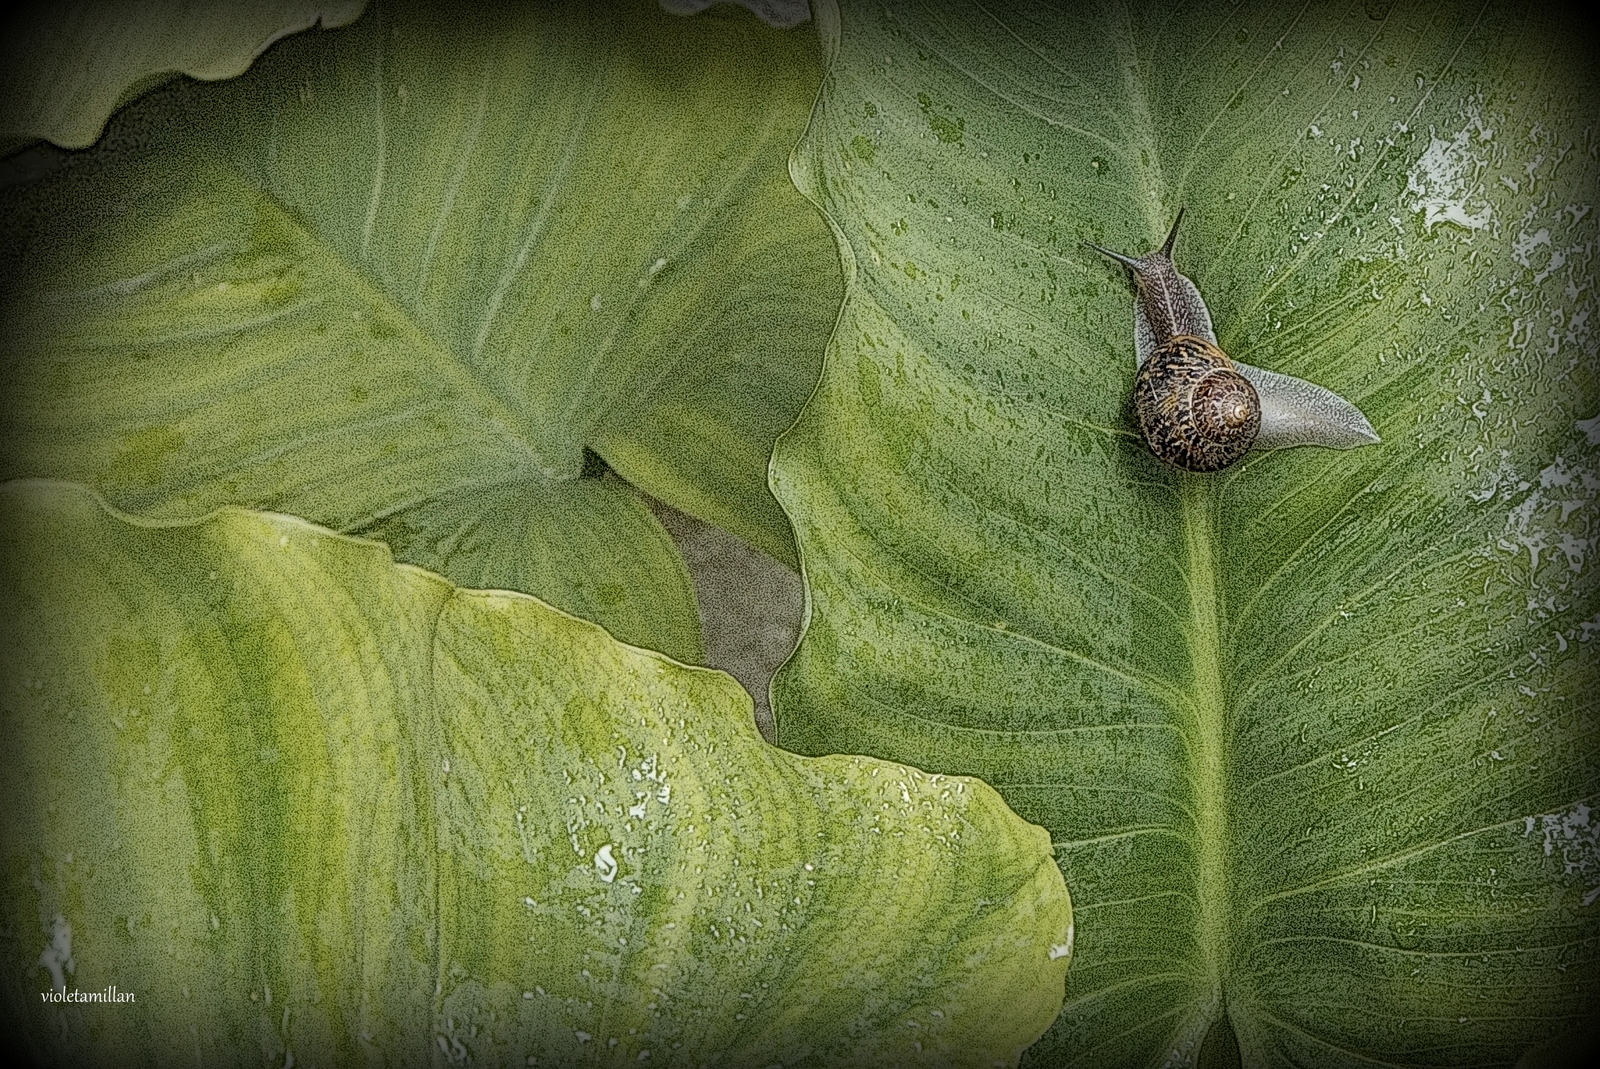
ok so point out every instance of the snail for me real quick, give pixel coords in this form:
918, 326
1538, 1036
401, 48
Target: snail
1199, 409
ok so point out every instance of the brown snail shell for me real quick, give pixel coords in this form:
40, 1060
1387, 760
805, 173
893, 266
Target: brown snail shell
1195, 410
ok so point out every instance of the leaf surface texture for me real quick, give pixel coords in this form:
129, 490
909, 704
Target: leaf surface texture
312, 807
400, 277
1315, 736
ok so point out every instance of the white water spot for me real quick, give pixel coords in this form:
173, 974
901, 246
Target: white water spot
1523, 245
57, 956
656, 268
1521, 532
1572, 836
605, 864
283, 541
594, 303
1551, 516
1063, 949
583, 1037
1444, 183
1590, 429
1556, 474
1573, 549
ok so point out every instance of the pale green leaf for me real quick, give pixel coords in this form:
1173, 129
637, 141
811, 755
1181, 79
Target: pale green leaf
65, 67
404, 268
308, 807
1316, 736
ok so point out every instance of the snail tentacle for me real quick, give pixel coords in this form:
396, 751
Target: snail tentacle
1168, 304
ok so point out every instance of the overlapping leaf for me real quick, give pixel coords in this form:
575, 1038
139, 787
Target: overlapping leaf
64, 68
309, 807
1316, 737
400, 276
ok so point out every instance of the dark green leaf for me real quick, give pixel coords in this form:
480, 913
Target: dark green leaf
1315, 736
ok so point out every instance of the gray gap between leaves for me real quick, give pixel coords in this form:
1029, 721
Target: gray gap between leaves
750, 605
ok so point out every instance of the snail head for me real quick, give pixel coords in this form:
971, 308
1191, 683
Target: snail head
1150, 262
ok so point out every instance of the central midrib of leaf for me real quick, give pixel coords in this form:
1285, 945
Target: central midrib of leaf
1207, 708
451, 365
1207, 737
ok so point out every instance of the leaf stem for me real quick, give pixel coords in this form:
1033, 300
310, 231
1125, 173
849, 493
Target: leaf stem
1208, 734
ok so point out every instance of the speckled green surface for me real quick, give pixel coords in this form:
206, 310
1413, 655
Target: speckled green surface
1316, 736
310, 807
399, 276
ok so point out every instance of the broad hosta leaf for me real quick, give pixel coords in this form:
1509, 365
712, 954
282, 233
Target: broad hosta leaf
1315, 736
399, 276
64, 68
308, 807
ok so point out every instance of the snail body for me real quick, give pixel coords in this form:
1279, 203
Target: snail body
1197, 408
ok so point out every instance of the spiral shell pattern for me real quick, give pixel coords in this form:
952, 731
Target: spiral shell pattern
1194, 408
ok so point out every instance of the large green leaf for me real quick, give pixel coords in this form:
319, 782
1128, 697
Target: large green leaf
65, 67
400, 276
1316, 736
308, 807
